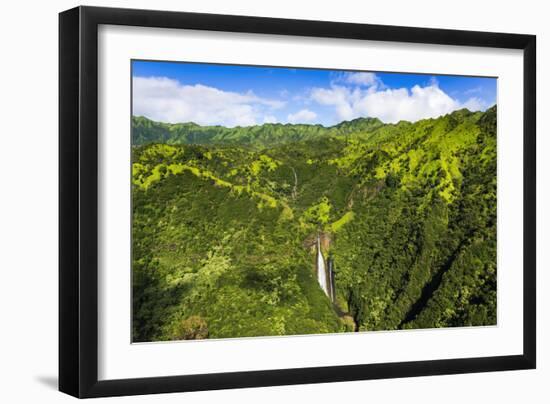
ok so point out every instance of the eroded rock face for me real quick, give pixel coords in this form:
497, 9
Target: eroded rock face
325, 240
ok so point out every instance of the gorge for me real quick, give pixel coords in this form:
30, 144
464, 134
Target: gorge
230, 227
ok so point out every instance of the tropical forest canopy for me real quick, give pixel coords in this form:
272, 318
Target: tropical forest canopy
225, 222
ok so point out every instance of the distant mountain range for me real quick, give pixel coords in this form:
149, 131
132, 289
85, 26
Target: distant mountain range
146, 131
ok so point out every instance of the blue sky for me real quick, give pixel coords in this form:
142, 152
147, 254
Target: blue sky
232, 95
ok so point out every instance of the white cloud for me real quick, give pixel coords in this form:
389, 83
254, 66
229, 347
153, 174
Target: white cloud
302, 116
349, 96
475, 104
284, 93
434, 81
391, 105
167, 100
270, 119
361, 78
474, 90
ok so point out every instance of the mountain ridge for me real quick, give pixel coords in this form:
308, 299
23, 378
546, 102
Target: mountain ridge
147, 131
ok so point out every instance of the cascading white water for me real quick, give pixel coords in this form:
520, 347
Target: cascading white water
321, 270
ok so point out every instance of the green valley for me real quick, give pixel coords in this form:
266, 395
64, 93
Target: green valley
226, 223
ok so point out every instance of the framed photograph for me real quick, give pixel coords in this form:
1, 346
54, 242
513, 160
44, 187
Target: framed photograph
251, 201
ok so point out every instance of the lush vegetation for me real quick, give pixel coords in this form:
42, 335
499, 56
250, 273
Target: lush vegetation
225, 222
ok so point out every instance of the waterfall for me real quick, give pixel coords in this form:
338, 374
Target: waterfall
321, 270
331, 279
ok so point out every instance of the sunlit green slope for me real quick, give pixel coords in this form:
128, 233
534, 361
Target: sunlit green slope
225, 220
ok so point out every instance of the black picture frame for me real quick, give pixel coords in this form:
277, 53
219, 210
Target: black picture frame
78, 201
